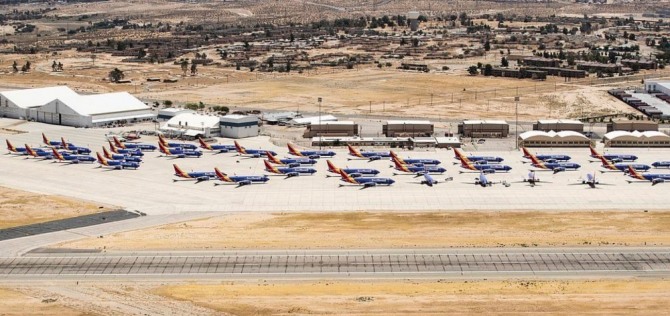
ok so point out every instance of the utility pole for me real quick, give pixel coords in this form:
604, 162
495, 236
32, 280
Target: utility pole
516, 124
320, 134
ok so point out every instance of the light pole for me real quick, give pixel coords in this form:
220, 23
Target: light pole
320, 134
516, 123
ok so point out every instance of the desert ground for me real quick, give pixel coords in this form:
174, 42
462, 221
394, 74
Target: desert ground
362, 297
396, 230
19, 208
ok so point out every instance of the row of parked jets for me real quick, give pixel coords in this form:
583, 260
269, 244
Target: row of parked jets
129, 156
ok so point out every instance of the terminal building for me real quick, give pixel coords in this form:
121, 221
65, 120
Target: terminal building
553, 139
636, 139
393, 142
559, 125
397, 128
489, 128
60, 105
336, 128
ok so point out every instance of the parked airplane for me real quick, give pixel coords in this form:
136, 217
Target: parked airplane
428, 179
609, 165
655, 178
545, 158
216, 147
661, 164
288, 171
290, 162
178, 152
531, 179
484, 182
477, 159
353, 172
483, 168
143, 147
15, 150
167, 144
414, 161
38, 153
74, 148
116, 164
132, 152
71, 158
590, 181
240, 180
369, 155
51, 143
197, 176
556, 167
612, 157
314, 154
365, 182
124, 157
253, 153
416, 169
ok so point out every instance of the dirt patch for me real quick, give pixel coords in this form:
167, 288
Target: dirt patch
16, 303
18, 208
397, 230
434, 297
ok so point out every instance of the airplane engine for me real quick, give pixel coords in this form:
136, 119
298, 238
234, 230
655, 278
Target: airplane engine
292, 174
489, 171
373, 158
559, 169
355, 175
616, 160
370, 184
657, 181
202, 179
294, 165
244, 182
256, 155
314, 157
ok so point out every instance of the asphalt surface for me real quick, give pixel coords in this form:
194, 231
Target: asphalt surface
65, 224
442, 263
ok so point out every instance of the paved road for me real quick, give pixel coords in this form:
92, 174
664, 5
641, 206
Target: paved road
382, 263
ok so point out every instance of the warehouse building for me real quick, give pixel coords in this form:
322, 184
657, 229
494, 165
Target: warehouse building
239, 126
559, 125
304, 121
337, 128
478, 128
553, 139
60, 105
632, 126
636, 139
396, 128
657, 86
191, 125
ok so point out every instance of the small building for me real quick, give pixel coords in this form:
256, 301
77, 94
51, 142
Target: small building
553, 139
447, 142
192, 125
479, 128
541, 62
392, 142
632, 126
336, 128
277, 117
559, 125
639, 64
396, 128
239, 126
168, 113
657, 86
636, 139
599, 67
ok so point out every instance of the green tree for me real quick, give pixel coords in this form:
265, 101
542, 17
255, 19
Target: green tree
167, 103
15, 67
487, 45
504, 62
472, 70
184, 66
116, 75
488, 70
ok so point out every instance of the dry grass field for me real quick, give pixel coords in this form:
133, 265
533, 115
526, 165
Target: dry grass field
396, 230
17, 303
610, 297
18, 208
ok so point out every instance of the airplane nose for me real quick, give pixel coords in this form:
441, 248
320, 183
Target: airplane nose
577, 165
391, 181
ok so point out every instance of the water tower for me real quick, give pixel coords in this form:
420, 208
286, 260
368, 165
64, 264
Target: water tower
413, 20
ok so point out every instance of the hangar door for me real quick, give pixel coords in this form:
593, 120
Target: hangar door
45, 117
70, 120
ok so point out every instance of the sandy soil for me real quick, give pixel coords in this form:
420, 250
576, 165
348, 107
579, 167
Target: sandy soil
16, 303
397, 230
422, 298
19, 208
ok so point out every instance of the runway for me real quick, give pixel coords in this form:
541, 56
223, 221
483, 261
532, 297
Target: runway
439, 263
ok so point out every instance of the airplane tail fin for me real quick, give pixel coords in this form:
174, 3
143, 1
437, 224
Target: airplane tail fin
269, 167
106, 152
346, 177
178, 172
162, 148
271, 157
239, 148
353, 151
203, 145
161, 140
63, 142
395, 156
30, 150
526, 153
534, 160
331, 167
101, 159
57, 155
594, 153
397, 163
606, 163
45, 140
118, 143
461, 156
633, 173
10, 147
292, 150
222, 176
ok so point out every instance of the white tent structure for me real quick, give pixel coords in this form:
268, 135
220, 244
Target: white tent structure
553, 139
60, 105
636, 139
